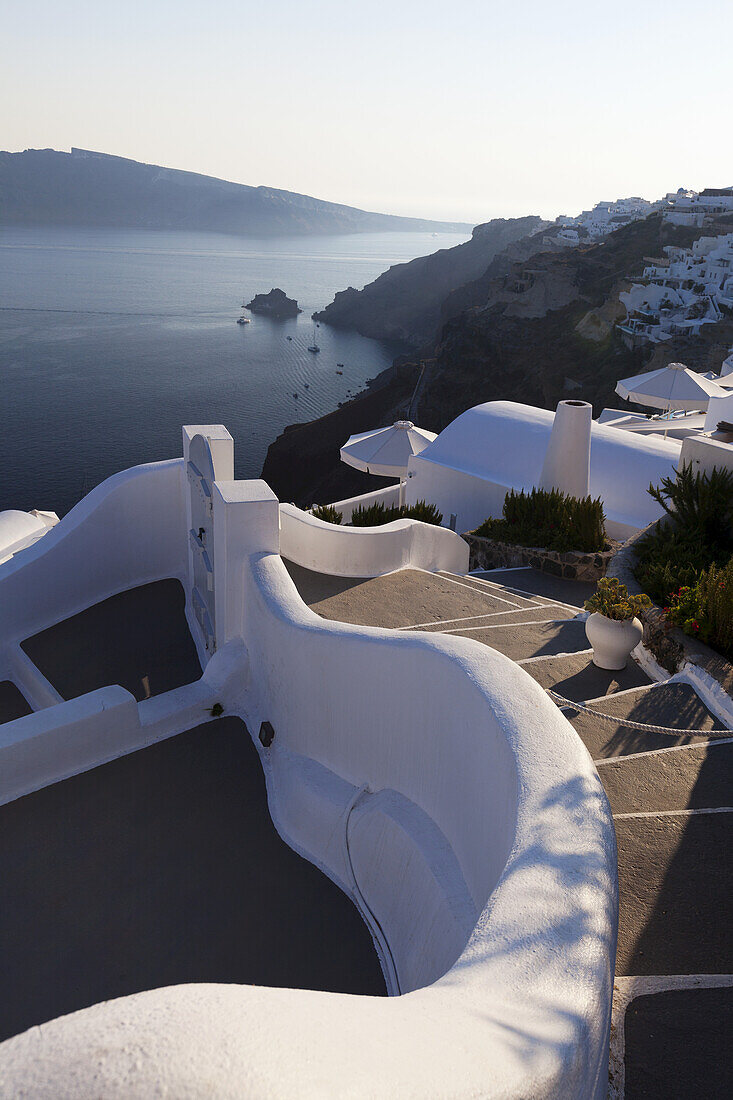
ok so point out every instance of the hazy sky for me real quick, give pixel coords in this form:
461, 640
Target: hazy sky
465, 110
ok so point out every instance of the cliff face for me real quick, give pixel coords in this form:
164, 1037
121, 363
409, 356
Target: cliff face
45, 187
405, 304
534, 332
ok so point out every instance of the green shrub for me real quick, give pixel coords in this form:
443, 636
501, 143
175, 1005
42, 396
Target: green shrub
326, 512
697, 534
550, 519
375, 515
611, 598
426, 513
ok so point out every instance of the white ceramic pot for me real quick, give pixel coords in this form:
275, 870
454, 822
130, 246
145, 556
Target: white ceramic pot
612, 640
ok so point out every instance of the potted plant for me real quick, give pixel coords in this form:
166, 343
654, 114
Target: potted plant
612, 628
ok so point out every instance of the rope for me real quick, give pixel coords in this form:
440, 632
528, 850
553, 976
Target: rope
636, 725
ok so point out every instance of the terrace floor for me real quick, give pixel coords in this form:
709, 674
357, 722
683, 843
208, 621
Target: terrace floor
670, 795
139, 639
159, 868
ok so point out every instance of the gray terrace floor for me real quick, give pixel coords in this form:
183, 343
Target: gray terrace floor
164, 867
12, 703
139, 639
670, 795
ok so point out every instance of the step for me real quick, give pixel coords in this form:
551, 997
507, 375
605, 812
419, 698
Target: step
528, 640
676, 705
576, 677
534, 582
675, 885
658, 1027
691, 777
519, 599
553, 613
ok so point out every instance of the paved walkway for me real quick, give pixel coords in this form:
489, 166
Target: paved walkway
671, 797
164, 867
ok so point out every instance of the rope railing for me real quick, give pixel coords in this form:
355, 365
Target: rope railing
644, 726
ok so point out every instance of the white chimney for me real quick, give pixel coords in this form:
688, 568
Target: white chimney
567, 459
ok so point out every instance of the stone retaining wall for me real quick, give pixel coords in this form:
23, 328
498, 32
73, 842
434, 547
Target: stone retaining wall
572, 565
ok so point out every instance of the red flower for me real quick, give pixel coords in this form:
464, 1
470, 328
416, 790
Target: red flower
695, 625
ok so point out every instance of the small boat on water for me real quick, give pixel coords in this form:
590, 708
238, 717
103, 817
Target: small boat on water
339, 372
295, 395
314, 346
243, 320
306, 385
339, 364
289, 338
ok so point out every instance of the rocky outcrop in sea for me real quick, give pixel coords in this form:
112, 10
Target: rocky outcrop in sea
274, 304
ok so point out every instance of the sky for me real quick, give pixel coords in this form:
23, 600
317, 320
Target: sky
465, 110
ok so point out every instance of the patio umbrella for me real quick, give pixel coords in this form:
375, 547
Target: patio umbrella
672, 387
386, 451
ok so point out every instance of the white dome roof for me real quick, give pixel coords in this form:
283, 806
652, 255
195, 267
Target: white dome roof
16, 527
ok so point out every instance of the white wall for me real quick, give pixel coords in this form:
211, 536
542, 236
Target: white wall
129, 530
368, 551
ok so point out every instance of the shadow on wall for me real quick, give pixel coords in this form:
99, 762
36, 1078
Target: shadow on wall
581, 937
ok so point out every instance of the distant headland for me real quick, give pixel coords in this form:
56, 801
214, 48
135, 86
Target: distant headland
84, 188
274, 304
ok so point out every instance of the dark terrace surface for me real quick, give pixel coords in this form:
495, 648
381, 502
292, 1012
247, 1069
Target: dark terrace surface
12, 703
164, 867
138, 639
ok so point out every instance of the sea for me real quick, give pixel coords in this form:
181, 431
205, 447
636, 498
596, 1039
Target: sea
111, 339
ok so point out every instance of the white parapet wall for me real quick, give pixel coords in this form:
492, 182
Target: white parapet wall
434, 779
368, 551
129, 530
66, 739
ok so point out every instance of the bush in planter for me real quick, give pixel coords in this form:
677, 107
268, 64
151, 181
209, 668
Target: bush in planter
426, 513
326, 512
374, 515
612, 600
551, 519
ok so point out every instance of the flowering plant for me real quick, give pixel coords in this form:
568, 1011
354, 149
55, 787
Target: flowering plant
687, 610
612, 600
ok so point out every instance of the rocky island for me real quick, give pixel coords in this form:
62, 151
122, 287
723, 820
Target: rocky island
275, 304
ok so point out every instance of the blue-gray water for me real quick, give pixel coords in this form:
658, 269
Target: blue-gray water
111, 339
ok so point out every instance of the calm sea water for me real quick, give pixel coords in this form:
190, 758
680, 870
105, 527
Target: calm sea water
111, 339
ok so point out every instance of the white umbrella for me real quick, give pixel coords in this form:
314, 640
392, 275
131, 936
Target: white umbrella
672, 387
386, 451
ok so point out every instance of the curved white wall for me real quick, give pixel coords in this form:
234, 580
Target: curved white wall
502, 445
127, 531
368, 551
463, 746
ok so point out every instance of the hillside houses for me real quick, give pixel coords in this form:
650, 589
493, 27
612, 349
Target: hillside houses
697, 208
679, 294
